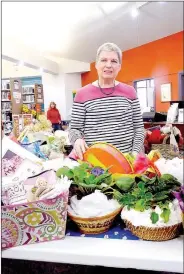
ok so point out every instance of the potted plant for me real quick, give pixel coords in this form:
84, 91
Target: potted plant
87, 180
150, 209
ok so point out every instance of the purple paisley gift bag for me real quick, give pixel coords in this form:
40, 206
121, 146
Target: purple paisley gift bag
34, 222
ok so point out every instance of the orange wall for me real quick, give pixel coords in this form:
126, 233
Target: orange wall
161, 59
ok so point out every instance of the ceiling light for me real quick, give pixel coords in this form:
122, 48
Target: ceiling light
134, 13
41, 70
20, 63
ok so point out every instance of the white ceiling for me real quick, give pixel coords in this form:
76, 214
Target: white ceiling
10, 69
75, 30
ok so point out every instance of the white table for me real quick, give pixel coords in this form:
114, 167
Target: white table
157, 256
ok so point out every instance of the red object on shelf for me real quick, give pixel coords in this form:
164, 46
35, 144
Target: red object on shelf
38, 108
9, 96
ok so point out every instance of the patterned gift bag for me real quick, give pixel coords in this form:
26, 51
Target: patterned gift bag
34, 222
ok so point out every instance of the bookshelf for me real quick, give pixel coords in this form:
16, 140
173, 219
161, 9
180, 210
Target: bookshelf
6, 106
18, 91
28, 95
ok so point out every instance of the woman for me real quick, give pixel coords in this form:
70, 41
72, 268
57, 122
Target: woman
107, 110
54, 116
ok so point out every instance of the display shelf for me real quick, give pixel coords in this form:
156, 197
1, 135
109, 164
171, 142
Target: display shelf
6, 121
28, 93
25, 86
4, 110
27, 102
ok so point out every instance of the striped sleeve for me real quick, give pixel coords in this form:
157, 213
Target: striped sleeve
76, 130
138, 127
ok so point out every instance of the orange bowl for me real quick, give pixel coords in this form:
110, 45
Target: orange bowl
105, 155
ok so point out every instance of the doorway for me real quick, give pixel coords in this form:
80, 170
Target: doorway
181, 85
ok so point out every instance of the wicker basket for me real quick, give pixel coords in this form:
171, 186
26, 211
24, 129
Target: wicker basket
95, 225
167, 151
155, 233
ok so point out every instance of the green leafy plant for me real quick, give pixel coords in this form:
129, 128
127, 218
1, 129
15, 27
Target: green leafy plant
145, 193
86, 179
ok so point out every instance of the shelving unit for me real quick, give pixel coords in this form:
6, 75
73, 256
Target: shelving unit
33, 97
39, 98
6, 106
15, 93
28, 94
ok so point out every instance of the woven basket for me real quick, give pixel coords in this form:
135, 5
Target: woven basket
155, 233
95, 225
167, 150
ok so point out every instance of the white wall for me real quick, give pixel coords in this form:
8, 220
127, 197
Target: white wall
72, 82
59, 89
54, 90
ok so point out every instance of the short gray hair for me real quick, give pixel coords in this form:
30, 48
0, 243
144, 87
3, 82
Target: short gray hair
109, 47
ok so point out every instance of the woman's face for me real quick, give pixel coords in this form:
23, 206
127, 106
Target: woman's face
108, 65
52, 105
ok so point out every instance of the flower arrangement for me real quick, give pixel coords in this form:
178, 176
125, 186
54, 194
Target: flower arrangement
26, 110
134, 192
90, 206
86, 179
142, 197
41, 124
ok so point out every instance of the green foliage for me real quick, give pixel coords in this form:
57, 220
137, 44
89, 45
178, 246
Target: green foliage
125, 183
165, 214
148, 193
154, 217
139, 193
84, 181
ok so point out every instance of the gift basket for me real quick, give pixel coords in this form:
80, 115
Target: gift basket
35, 222
150, 210
167, 140
95, 225
138, 186
89, 206
34, 200
39, 139
168, 150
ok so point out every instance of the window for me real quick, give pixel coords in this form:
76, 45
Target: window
145, 92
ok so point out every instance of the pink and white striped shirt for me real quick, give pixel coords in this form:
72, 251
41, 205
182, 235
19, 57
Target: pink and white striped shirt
115, 118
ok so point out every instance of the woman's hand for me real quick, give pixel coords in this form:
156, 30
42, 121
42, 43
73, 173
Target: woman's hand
80, 147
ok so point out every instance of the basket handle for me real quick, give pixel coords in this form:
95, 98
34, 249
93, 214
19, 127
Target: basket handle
165, 139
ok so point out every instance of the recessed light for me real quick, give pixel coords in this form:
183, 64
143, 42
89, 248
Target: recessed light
20, 63
41, 70
134, 13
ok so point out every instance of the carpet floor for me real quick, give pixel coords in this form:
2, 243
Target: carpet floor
9, 266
